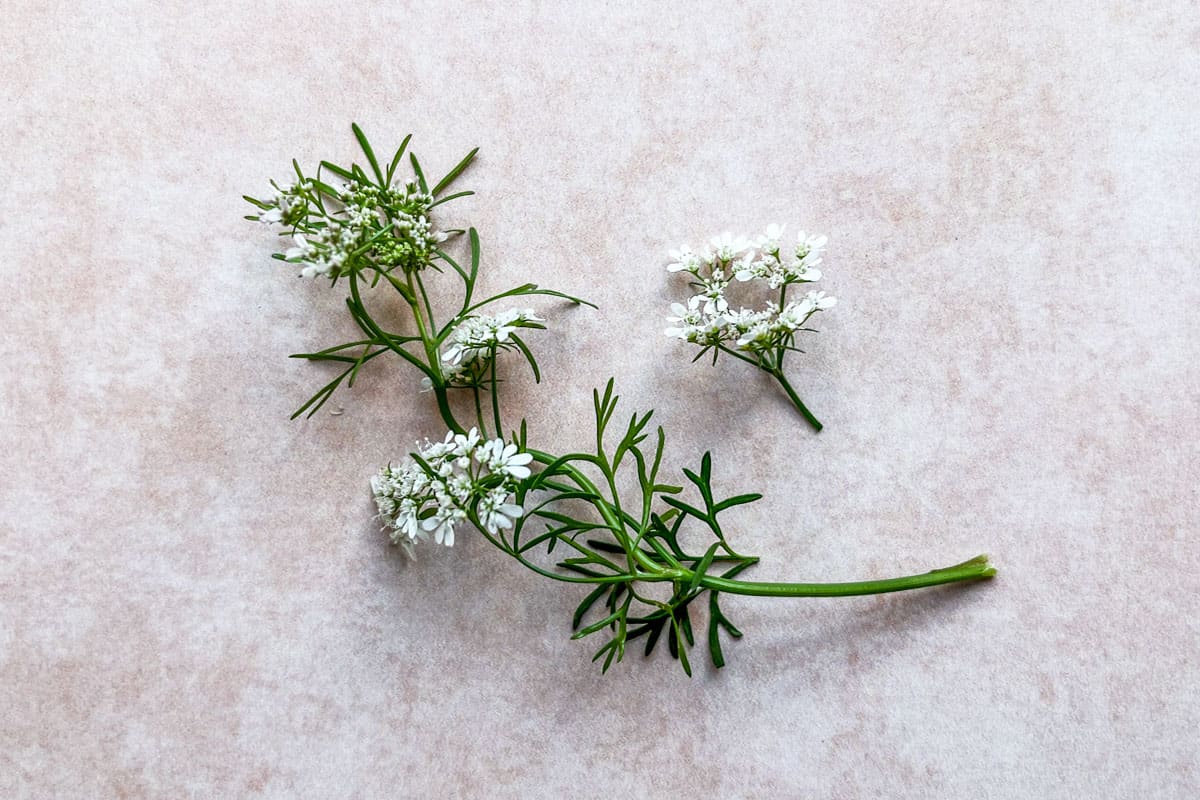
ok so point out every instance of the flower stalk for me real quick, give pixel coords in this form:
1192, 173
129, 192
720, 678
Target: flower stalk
369, 230
777, 373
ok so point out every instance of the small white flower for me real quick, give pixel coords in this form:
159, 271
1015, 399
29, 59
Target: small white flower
820, 301
465, 444
314, 270
684, 260
436, 451
712, 293
817, 301
460, 487
726, 247
495, 512
769, 241
301, 250
407, 523
442, 524
808, 274
280, 204
687, 319
507, 459
793, 315
809, 246
745, 319
757, 337
748, 269
714, 302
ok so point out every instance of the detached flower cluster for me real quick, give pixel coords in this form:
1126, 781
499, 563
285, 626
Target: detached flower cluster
475, 340
390, 225
463, 477
708, 319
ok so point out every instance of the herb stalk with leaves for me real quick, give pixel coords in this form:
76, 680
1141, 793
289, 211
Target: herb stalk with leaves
360, 226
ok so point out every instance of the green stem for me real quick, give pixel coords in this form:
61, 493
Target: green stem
977, 568
478, 408
444, 409
431, 347
428, 306
495, 395
432, 356
791, 393
782, 304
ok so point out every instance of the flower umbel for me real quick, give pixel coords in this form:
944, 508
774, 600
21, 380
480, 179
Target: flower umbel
462, 477
761, 337
332, 224
478, 338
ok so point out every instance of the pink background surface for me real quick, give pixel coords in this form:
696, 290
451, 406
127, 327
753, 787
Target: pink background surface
195, 601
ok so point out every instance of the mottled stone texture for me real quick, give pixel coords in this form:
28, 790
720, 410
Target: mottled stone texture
195, 601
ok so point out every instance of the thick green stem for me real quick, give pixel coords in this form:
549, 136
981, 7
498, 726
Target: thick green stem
791, 393
495, 395
444, 409
976, 569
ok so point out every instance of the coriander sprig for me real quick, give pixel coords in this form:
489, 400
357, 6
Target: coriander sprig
759, 337
379, 235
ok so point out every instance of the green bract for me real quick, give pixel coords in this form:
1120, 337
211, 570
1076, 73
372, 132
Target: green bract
348, 224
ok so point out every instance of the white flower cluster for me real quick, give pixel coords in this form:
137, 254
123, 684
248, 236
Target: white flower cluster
709, 320
446, 483
475, 337
391, 224
465, 361
287, 203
